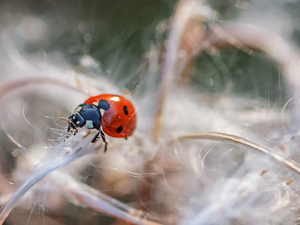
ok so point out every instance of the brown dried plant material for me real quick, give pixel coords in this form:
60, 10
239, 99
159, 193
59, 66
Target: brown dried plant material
289, 181
263, 172
282, 148
184, 37
191, 40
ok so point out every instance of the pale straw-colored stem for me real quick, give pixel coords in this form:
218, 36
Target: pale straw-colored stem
245, 144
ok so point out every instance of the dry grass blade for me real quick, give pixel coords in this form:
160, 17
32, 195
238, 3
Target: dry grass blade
91, 198
248, 39
243, 143
186, 29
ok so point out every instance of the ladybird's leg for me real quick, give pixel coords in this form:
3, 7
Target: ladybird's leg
104, 140
103, 104
95, 137
76, 131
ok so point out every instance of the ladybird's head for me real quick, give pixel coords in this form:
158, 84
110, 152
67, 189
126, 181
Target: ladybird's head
76, 120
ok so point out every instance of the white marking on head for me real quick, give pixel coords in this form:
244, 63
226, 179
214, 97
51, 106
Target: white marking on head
89, 124
77, 122
74, 117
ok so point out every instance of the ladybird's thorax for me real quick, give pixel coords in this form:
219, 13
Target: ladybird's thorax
88, 115
78, 108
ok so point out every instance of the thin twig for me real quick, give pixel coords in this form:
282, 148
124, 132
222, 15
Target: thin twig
247, 37
181, 18
243, 143
92, 198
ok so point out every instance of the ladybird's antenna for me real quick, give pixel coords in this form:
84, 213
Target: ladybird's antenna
70, 121
63, 118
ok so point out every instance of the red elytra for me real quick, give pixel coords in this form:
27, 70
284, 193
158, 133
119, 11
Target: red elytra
120, 120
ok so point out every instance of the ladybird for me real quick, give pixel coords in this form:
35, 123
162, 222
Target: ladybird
118, 119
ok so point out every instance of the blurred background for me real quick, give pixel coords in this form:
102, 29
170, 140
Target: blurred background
118, 35
114, 39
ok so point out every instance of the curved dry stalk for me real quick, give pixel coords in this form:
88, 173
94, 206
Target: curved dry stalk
48, 166
105, 207
102, 203
66, 78
247, 37
243, 143
92, 198
184, 36
8, 86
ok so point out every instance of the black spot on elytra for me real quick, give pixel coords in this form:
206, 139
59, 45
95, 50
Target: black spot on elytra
119, 129
125, 110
